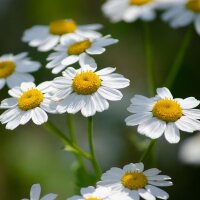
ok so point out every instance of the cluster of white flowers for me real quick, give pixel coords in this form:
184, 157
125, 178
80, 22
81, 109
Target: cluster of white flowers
129, 183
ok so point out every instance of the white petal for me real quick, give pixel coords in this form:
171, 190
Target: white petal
152, 172
45, 87
161, 183
159, 178
89, 108
132, 14
35, 192
15, 92
9, 115
49, 197
134, 195
86, 62
105, 71
11, 125
89, 34
27, 86
138, 118
189, 103
197, 24
27, 66
104, 41
8, 103
110, 93
101, 104
95, 50
39, 116
26, 116
164, 93
146, 195
192, 113
58, 69
172, 133
2, 83
90, 27
157, 192
49, 44
142, 100
70, 60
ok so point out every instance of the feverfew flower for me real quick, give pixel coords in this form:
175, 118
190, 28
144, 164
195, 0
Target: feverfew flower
164, 114
27, 102
86, 89
131, 10
183, 13
73, 46
15, 69
91, 193
35, 194
135, 182
46, 37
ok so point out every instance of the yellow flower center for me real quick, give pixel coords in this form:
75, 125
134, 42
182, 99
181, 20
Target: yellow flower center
93, 198
167, 110
86, 83
61, 27
6, 68
79, 47
193, 5
134, 180
139, 2
30, 99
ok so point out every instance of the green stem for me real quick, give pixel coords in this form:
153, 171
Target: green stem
148, 150
179, 58
70, 124
92, 152
53, 129
149, 58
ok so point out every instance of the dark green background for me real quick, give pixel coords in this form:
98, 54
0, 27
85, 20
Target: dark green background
31, 155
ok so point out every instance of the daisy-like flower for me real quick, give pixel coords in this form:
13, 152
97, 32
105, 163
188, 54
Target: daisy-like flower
86, 89
14, 69
183, 13
164, 114
36, 191
47, 37
135, 182
27, 102
91, 193
73, 46
132, 10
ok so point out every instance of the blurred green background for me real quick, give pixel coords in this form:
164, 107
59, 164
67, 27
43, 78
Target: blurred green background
31, 155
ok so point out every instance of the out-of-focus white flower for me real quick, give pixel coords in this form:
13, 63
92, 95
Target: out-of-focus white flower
183, 13
27, 102
135, 182
190, 150
164, 114
47, 37
86, 89
132, 10
15, 69
35, 194
73, 46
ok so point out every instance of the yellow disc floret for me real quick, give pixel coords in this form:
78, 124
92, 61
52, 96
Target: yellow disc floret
134, 180
193, 5
139, 2
61, 27
30, 99
79, 47
6, 68
167, 110
86, 83
93, 198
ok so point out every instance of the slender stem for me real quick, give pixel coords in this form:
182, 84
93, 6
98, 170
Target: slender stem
149, 58
92, 152
74, 148
148, 150
70, 124
179, 58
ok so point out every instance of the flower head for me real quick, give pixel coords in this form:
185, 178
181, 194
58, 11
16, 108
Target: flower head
131, 10
133, 181
73, 46
47, 37
35, 194
86, 89
15, 69
181, 13
27, 102
164, 114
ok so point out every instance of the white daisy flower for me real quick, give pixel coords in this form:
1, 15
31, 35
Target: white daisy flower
46, 37
35, 194
164, 114
86, 89
15, 69
72, 47
136, 182
183, 13
131, 10
27, 102
190, 150
91, 193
